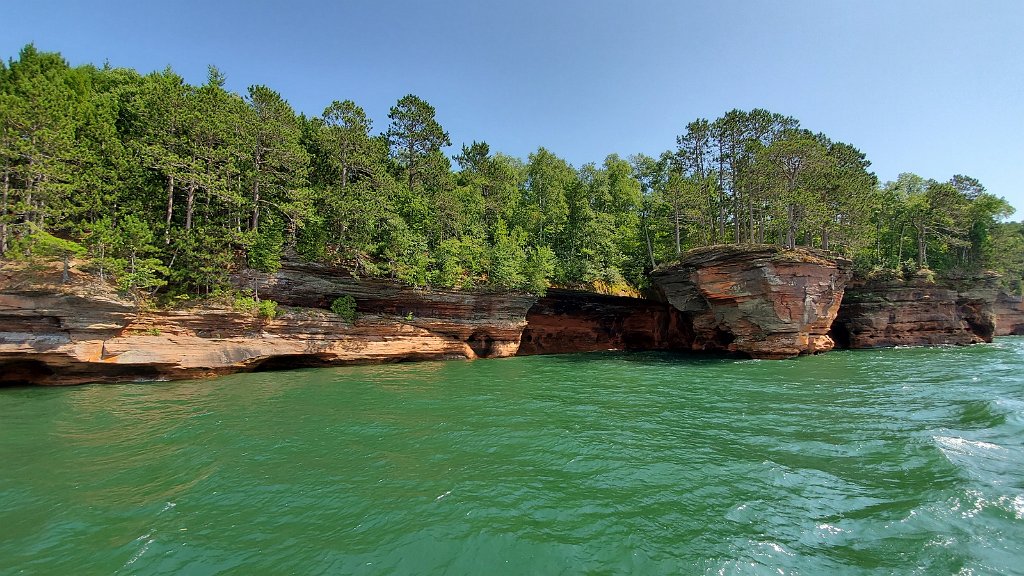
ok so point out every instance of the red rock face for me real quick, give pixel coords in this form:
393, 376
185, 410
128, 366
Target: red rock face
914, 313
48, 338
1009, 311
761, 301
566, 321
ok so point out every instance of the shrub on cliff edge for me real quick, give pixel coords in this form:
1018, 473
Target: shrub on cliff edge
345, 306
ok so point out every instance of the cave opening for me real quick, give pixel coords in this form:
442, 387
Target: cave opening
720, 338
23, 372
840, 334
290, 362
481, 343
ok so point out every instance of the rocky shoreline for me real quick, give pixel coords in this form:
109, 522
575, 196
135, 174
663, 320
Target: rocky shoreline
761, 302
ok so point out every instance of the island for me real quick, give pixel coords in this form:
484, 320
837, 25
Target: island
154, 229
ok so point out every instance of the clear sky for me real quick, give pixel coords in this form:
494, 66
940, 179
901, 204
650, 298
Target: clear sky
934, 87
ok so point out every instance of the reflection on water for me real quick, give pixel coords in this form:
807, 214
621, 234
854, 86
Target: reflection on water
899, 461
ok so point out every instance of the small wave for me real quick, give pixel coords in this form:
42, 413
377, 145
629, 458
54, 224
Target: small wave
145, 547
962, 445
974, 502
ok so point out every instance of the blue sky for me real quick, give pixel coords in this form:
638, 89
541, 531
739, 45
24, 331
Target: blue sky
933, 87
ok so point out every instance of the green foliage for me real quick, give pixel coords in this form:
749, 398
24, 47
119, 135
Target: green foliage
245, 303
264, 248
415, 137
540, 265
926, 275
345, 306
46, 245
169, 188
507, 257
448, 271
267, 309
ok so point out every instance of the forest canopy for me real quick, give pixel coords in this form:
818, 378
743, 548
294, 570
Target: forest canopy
166, 187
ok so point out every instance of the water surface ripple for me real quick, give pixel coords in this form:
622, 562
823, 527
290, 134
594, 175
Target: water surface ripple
904, 461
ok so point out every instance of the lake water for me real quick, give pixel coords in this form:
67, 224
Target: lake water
904, 461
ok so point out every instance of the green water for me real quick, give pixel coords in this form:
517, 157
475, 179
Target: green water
906, 461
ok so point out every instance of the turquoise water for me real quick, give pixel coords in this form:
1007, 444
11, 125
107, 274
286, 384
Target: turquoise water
905, 461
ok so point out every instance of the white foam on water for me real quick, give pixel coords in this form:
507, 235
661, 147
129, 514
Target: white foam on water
962, 445
829, 529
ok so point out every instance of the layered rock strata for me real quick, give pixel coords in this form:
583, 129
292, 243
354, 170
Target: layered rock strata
761, 301
567, 321
916, 312
70, 338
490, 323
1009, 311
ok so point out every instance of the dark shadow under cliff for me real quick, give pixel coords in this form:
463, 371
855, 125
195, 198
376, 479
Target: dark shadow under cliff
567, 321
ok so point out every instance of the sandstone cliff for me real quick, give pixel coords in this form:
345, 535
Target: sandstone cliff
1009, 311
489, 322
70, 338
762, 301
566, 321
916, 312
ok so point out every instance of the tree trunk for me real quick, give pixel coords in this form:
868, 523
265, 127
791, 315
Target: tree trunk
737, 210
190, 204
899, 253
170, 207
722, 217
67, 267
650, 247
254, 225
28, 204
292, 232
824, 237
922, 248
131, 269
3, 212
750, 221
790, 226
721, 195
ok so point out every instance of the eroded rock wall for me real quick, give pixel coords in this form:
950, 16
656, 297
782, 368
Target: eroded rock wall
762, 301
916, 312
1009, 311
567, 321
490, 322
69, 338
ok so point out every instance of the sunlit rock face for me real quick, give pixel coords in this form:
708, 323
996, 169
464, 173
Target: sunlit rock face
488, 323
567, 321
67, 337
760, 301
918, 312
